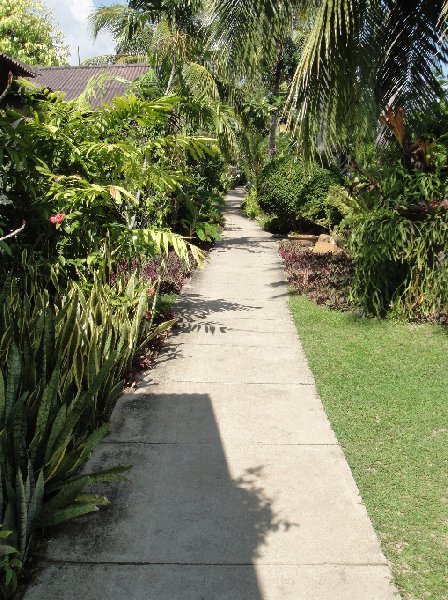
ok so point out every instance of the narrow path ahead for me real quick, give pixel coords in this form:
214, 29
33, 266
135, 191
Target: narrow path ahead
239, 490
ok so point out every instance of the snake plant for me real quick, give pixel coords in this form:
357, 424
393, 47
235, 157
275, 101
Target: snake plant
62, 367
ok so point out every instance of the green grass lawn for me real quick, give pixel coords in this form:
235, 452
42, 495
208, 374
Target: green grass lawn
385, 389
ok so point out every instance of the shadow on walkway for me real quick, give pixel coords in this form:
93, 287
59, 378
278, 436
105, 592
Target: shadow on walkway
182, 508
194, 309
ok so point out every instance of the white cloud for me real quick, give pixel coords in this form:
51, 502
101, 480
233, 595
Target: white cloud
71, 16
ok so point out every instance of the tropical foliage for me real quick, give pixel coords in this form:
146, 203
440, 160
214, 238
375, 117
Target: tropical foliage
296, 195
396, 222
90, 195
362, 112
100, 170
345, 77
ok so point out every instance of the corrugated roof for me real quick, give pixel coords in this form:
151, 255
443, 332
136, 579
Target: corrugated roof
17, 67
73, 80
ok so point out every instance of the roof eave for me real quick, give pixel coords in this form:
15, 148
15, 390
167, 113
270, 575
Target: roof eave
21, 68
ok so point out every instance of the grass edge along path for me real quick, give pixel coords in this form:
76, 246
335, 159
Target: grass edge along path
384, 386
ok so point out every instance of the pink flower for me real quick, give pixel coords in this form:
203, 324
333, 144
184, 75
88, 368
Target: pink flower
58, 218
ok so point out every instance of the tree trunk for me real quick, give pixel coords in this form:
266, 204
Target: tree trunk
273, 128
171, 79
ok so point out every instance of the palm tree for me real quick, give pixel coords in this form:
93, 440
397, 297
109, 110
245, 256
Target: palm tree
257, 39
132, 29
165, 30
359, 56
178, 38
175, 35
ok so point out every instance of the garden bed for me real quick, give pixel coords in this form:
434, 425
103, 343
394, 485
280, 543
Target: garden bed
324, 278
174, 274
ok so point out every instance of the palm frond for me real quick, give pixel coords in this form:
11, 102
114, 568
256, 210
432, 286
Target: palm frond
444, 16
359, 57
249, 32
181, 15
200, 82
95, 84
131, 28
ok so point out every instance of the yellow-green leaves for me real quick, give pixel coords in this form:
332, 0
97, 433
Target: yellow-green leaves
160, 242
118, 193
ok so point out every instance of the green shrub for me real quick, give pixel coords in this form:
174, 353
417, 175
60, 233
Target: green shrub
116, 169
199, 204
296, 194
86, 192
252, 209
250, 205
10, 565
272, 223
400, 255
396, 222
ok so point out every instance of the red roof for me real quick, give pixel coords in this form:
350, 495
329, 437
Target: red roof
73, 80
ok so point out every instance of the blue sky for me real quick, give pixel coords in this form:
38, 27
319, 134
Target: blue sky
71, 17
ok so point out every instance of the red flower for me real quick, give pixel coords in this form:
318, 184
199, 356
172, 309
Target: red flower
58, 218
151, 292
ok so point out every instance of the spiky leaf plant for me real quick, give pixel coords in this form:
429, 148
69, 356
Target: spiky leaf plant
62, 366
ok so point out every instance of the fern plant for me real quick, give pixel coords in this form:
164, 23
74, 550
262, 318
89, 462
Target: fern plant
401, 265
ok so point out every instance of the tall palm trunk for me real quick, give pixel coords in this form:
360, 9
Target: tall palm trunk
273, 126
171, 78
273, 130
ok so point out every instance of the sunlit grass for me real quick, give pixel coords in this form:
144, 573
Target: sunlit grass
385, 389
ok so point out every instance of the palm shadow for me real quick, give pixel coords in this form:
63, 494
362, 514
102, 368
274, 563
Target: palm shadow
194, 312
181, 510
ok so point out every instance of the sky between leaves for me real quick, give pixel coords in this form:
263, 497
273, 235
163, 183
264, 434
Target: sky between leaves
71, 16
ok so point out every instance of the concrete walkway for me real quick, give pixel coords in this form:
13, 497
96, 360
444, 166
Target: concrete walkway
239, 490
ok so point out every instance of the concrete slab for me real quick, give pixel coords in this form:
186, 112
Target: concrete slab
271, 304
216, 582
210, 364
238, 337
238, 273
213, 326
178, 414
241, 353
237, 277
225, 504
255, 309
240, 292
